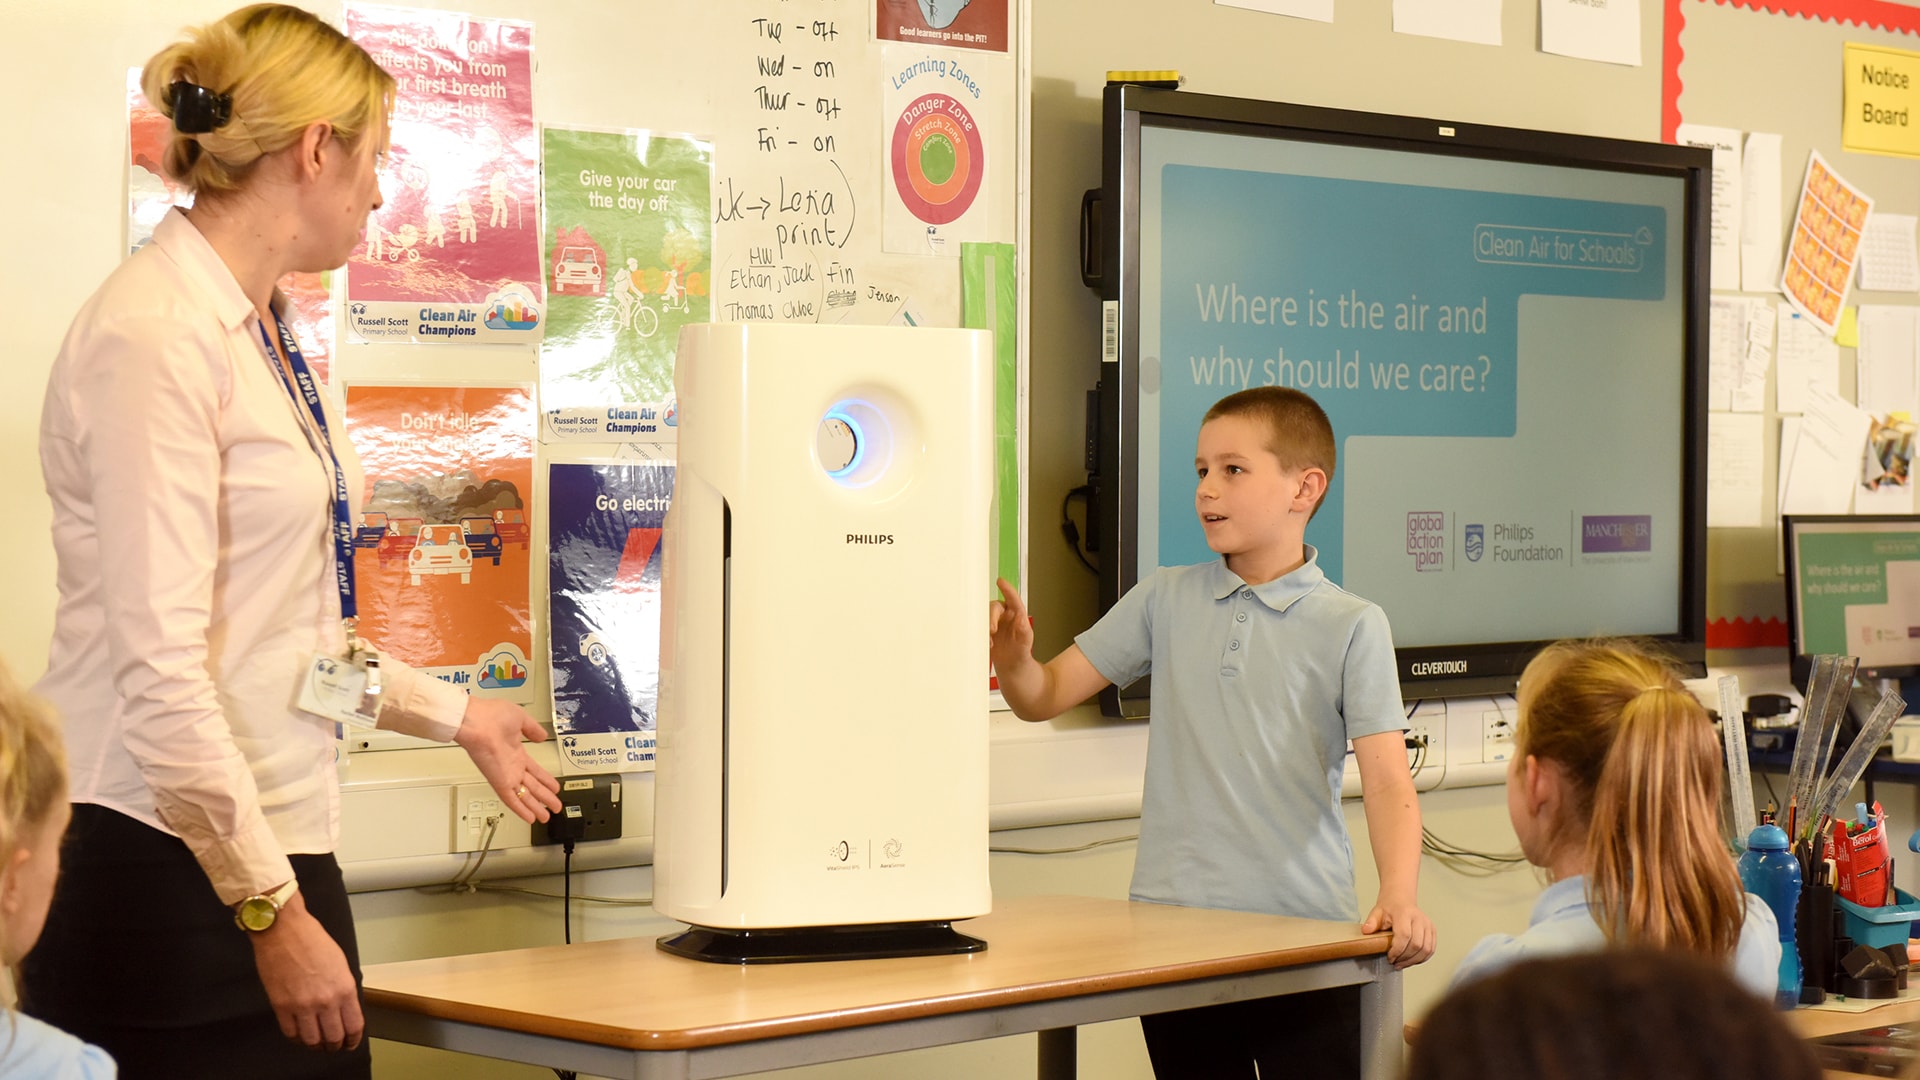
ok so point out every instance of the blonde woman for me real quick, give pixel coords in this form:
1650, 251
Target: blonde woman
203, 493
1614, 789
33, 816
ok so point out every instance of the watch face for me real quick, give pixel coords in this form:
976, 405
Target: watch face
255, 913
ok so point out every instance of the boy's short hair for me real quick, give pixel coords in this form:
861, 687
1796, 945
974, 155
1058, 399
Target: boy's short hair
1299, 433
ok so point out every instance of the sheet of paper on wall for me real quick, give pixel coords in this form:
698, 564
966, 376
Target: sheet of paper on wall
1886, 469
1736, 495
1607, 30
1789, 442
1825, 468
1725, 144
1888, 262
1750, 391
1760, 213
1477, 21
1806, 358
1726, 350
1824, 243
1885, 381
1317, 10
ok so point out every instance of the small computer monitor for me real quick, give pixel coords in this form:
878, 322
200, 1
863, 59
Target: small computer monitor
1853, 588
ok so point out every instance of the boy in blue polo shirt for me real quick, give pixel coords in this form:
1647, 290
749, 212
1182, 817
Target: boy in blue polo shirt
1263, 670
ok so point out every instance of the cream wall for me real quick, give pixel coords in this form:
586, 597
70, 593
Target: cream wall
65, 179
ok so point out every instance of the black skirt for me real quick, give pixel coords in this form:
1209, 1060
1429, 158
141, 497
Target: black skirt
140, 958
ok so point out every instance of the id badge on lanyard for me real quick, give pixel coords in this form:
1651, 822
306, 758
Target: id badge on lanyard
344, 690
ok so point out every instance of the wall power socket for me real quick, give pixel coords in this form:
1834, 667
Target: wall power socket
591, 803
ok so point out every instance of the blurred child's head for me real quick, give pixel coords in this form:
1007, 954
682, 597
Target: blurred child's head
1291, 425
33, 815
1616, 767
1610, 1015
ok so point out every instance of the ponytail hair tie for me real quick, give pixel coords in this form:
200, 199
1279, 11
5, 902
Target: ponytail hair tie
198, 110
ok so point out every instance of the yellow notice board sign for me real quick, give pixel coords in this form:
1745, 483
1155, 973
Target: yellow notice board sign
1882, 101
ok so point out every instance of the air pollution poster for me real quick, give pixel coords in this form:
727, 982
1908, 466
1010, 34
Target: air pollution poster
933, 104
629, 259
453, 255
605, 524
151, 193
442, 545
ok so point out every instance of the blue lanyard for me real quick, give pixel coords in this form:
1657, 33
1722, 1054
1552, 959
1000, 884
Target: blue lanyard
342, 509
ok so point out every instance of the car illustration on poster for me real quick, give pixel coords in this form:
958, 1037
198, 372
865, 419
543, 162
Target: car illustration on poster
402, 534
511, 525
373, 528
578, 268
442, 549
482, 541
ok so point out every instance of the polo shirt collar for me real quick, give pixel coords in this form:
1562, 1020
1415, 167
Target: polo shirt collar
189, 250
1278, 594
1558, 899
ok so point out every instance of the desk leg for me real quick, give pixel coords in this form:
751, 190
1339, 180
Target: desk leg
1059, 1054
1381, 1040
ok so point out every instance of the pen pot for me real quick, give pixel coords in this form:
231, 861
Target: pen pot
1813, 930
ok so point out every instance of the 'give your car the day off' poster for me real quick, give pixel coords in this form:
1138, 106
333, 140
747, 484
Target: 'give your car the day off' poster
442, 543
629, 261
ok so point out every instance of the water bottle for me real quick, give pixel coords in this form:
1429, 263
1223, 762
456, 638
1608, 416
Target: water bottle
1769, 870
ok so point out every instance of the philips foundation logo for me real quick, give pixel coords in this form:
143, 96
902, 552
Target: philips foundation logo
869, 538
1609, 534
1476, 542
1427, 539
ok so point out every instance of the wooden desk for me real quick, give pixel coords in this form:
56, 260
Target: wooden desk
1819, 1023
625, 1009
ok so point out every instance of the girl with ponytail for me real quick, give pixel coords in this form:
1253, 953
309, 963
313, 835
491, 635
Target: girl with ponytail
1614, 790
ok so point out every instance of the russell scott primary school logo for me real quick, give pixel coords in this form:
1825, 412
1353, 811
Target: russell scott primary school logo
1427, 539
1614, 533
1476, 544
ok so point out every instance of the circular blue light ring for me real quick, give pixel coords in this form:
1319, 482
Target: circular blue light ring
859, 443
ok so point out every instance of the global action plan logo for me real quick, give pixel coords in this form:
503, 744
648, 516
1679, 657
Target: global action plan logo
1427, 539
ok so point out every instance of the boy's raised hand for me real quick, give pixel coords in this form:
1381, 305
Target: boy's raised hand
1413, 934
1009, 632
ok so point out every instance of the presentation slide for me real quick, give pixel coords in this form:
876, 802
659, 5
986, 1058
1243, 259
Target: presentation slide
1859, 591
1499, 347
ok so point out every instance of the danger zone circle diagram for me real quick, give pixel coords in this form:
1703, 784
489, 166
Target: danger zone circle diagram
938, 159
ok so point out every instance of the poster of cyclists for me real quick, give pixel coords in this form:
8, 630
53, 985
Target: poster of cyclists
628, 260
453, 253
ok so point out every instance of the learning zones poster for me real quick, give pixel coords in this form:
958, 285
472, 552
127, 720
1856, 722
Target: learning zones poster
1824, 245
453, 254
935, 160
958, 24
442, 544
629, 260
151, 193
605, 524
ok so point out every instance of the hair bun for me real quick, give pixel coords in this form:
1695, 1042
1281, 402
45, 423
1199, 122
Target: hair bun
198, 110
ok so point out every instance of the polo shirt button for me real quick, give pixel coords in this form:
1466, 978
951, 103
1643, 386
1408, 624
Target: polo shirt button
1233, 644
1241, 617
1246, 594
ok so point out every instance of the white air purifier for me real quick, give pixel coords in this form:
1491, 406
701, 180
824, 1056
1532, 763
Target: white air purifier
821, 786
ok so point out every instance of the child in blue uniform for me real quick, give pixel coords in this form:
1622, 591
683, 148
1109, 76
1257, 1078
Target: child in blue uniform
33, 815
1614, 789
1263, 671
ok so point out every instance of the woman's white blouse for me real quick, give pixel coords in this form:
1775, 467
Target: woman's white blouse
190, 520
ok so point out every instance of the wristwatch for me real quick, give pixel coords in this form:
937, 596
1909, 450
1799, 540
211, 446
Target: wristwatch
257, 913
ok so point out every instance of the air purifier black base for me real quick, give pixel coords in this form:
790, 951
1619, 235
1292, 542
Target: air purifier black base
805, 944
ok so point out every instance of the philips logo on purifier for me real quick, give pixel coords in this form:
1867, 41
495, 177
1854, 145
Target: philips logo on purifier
800, 814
